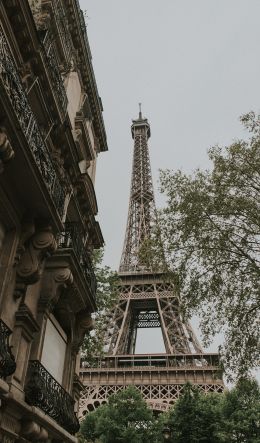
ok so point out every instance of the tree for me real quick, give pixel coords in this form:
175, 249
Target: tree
210, 231
196, 417
88, 426
241, 413
106, 297
125, 419
232, 417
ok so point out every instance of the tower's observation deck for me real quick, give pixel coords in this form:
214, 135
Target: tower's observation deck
147, 300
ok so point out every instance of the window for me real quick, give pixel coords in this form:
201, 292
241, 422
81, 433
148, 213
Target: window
54, 349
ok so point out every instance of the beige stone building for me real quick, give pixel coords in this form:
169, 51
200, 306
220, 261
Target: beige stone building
51, 131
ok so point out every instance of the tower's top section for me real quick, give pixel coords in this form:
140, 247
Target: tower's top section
141, 213
140, 124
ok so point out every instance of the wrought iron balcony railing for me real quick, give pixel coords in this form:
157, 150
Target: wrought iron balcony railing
13, 86
54, 71
83, 28
63, 29
43, 391
7, 362
72, 238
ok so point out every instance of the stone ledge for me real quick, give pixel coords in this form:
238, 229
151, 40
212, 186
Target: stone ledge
35, 414
4, 388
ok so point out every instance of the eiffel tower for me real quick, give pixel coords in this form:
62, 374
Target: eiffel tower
147, 300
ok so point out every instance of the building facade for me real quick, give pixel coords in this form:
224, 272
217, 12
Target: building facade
51, 131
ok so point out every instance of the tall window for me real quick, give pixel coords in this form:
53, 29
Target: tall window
54, 349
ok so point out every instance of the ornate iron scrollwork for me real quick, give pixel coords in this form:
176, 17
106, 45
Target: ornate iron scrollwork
63, 27
22, 109
7, 362
43, 391
72, 238
54, 71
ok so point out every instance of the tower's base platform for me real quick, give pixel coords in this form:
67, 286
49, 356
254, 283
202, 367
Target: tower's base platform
160, 378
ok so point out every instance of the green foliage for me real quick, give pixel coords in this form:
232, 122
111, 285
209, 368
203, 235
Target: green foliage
210, 231
196, 417
80, 438
88, 426
126, 418
106, 297
233, 417
241, 413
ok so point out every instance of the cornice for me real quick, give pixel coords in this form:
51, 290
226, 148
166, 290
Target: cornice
81, 43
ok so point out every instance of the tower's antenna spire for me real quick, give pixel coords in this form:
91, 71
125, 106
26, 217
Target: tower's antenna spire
140, 111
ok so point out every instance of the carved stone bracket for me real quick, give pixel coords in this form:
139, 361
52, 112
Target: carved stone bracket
27, 231
77, 386
53, 282
29, 267
86, 194
33, 431
83, 324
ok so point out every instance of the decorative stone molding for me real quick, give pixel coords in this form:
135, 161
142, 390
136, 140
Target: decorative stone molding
83, 324
86, 194
27, 231
64, 276
73, 237
6, 149
53, 282
29, 268
77, 388
64, 312
26, 320
33, 431
84, 59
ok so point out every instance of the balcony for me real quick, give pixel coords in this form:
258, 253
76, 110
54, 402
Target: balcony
54, 72
13, 87
7, 362
42, 22
72, 238
62, 27
43, 391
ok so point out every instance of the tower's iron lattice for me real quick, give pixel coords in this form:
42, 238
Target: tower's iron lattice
147, 300
141, 213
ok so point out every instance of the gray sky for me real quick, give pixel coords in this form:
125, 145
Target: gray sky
195, 66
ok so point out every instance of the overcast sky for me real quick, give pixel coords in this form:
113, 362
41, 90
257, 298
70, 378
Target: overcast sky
194, 65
